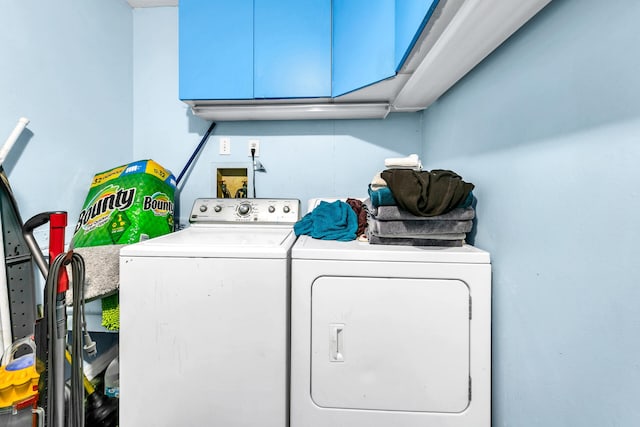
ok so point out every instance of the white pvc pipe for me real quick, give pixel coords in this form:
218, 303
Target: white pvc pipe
8, 145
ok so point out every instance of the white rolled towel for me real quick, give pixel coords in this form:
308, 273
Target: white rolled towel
377, 182
412, 161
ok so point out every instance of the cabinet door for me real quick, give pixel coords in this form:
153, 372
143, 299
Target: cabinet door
292, 48
363, 46
391, 344
411, 18
216, 49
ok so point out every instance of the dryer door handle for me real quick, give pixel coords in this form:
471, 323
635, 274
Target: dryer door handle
336, 342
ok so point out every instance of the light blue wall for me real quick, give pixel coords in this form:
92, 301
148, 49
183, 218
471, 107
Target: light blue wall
303, 159
548, 128
66, 65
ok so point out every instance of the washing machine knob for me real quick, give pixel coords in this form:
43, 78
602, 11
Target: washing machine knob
244, 208
203, 208
217, 208
286, 209
272, 209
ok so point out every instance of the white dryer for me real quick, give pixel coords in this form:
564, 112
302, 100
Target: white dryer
390, 335
204, 337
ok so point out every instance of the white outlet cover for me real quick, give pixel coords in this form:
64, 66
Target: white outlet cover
225, 145
253, 143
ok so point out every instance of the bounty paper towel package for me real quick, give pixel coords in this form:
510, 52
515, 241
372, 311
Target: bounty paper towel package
127, 204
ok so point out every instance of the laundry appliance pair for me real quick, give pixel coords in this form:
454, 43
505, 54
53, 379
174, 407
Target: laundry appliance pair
234, 322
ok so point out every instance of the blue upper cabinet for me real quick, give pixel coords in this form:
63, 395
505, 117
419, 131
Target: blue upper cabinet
265, 49
363, 43
292, 50
216, 49
411, 16
372, 39
245, 49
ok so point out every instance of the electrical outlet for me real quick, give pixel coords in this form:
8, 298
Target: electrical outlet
254, 144
225, 145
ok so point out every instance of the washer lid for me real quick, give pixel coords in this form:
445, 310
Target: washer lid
226, 242
307, 247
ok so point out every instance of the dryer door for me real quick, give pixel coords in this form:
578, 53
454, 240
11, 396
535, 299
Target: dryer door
393, 344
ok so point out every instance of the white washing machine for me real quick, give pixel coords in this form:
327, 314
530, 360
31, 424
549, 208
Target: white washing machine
204, 326
390, 335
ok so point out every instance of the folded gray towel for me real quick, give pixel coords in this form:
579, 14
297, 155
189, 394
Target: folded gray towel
443, 236
394, 213
102, 271
416, 227
407, 241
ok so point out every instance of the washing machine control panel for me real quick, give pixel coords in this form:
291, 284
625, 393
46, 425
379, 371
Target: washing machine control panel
259, 211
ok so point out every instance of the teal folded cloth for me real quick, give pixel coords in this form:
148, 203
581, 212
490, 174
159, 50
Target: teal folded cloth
382, 197
329, 221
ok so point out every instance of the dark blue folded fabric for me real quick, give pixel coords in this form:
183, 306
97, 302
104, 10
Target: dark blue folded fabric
382, 197
467, 202
329, 221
